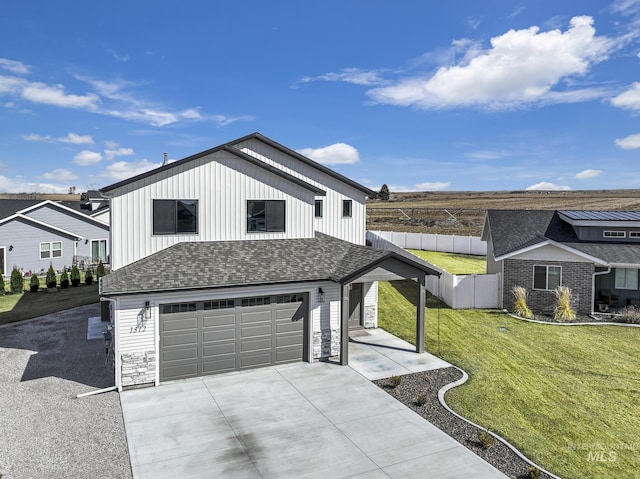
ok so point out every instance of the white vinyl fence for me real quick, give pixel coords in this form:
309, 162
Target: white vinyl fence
472, 291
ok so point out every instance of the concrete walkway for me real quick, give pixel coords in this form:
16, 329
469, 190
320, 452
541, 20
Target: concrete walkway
294, 421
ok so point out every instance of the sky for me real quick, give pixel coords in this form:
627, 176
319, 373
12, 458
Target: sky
418, 95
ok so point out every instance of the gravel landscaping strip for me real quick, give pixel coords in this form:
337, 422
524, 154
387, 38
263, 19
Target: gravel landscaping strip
419, 392
45, 430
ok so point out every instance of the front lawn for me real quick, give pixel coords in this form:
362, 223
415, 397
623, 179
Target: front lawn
454, 263
16, 307
567, 397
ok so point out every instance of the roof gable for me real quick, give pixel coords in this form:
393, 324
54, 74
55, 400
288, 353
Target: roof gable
66, 209
230, 147
39, 224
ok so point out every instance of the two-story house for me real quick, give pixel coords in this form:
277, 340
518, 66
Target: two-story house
595, 253
245, 255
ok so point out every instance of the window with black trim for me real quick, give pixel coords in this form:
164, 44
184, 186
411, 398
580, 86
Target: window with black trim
318, 209
614, 234
347, 208
266, 215
172, 217
51, 249
219, 304
546, 277
178, 308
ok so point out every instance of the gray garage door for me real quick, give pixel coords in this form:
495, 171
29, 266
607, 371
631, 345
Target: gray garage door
209, 337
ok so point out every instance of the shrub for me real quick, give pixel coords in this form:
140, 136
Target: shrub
17, 283
51, 279
630, 314
100, 270
395, 381
563, 310
34, 283
88, 276
520, 307
486, 439
64, 279
1, 285
533, 472
75, 276
421, 400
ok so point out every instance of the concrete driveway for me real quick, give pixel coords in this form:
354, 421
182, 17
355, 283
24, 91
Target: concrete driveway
293, 421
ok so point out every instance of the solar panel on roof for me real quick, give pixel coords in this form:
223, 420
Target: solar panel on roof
587, 215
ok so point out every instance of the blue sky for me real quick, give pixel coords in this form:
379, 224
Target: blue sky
458, 95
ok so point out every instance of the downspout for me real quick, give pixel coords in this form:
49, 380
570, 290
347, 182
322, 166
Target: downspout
593, 285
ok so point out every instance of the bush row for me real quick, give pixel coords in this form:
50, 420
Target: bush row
16, 282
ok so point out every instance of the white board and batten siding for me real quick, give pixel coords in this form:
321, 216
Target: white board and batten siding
332, 223
222, 183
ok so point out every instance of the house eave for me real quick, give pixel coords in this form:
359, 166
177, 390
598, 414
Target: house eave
561, 246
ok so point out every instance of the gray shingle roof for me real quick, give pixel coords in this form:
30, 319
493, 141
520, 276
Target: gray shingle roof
215, 264
514, 230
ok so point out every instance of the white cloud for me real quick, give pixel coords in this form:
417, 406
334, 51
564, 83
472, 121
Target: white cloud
86, 158
433, 185
349, 75
60, 174
587, 174
112, 145
118, 57
121, 170
488, 154
21, 185
631, 142
71, 138
336, 154
630, 99
15, 67
546, 186
37, 92
520, 68
110, 154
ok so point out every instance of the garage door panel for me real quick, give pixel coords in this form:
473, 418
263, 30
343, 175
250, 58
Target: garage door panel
241, 337
255, 316
221, 320
256, 330
219, 335
216, 349
180, 339
180, 354
179, 324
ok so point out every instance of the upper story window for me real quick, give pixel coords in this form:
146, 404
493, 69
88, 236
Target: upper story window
634, 234
172, 217
546, 277
347, 208
614, 234
318, 209
51, 250
268, 216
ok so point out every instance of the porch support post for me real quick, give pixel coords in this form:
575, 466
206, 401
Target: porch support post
420, 315
344, 325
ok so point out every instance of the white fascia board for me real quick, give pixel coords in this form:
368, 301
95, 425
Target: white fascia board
625, 265
62, 207
42, 224
561, 246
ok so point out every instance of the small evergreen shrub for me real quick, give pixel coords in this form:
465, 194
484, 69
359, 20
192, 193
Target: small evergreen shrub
88, 277
533, 472
100, 270
520, 307
486, 439
64, 279
1, 285
75, 276
17, 282
395, 381
563, 310
34, 283
51, 279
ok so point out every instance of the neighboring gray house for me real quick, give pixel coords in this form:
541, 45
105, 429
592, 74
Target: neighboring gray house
245, 255
36, 234
595, 253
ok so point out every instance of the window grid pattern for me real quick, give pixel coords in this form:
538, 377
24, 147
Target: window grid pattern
178, 308
51, 249
546, 277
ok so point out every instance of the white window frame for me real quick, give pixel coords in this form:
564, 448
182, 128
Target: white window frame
546, 266
51, 250
625, 284
614, 234
106, 249
634, 234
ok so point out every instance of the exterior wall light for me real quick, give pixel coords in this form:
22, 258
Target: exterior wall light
321, 295
147, 309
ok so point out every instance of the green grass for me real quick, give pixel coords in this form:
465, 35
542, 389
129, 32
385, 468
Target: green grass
555, 392
454, 263
17, 307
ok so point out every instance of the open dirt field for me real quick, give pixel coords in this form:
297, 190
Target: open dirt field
462, 213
